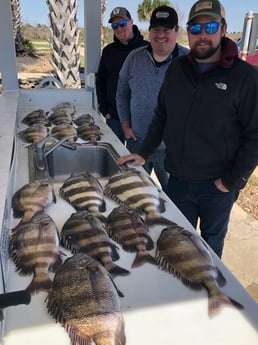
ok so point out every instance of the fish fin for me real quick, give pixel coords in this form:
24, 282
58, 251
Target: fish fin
221, 280
142, 258
216, 302
154, 218
162, 208
116, 270
39, 283
102, 218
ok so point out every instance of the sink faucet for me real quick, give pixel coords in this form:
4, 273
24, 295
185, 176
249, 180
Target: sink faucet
41, 153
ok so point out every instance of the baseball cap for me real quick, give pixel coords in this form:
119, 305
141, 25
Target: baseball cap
163, 16
211, 8
119, 12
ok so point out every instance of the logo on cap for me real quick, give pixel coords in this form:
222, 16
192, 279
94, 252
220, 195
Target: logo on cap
162, 15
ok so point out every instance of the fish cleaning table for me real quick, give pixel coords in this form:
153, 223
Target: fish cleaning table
157, 307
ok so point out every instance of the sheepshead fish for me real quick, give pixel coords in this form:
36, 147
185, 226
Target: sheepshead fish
38, 116
85, 233
84, 192
126, 227
64, 130
34, 249
135, 189
34, 134
89, 132
32, 198
60, 117
64, 106
85, 301
84, 119
184, 254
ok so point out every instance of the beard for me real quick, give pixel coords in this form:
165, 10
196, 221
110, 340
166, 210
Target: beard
201, 54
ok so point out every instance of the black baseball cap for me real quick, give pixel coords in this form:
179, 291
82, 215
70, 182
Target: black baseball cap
212, 8
163, 16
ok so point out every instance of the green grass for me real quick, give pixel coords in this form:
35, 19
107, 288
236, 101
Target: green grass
253, 181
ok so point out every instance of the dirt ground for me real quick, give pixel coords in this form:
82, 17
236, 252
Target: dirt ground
241, 245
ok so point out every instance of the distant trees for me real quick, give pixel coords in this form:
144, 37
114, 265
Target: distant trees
147, 6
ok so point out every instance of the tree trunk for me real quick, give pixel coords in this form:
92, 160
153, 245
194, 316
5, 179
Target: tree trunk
17, 34
65, 55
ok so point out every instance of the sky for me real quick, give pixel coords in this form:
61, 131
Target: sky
36, 11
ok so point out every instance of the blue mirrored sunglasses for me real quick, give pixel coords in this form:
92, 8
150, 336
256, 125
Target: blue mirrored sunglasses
210, 28
120, 24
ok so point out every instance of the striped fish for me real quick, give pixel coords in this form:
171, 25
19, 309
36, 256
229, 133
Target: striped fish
84, 299
85, 233
60, 117
84, 192
34, 134
89, 132
64, 106
38, 116
34, 248
84, 119
135, 189
32, 198
64, 130
126, 227
184, 254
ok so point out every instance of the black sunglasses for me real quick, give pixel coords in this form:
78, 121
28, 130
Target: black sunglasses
210, 28
120, 24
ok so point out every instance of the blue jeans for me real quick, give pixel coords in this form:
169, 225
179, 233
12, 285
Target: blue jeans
155, 162
116, 127
201, 199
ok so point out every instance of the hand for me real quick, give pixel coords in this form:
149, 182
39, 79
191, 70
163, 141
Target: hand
220, 186
133, 158
107, 116
129, 133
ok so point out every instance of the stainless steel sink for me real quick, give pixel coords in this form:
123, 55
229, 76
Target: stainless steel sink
99, 160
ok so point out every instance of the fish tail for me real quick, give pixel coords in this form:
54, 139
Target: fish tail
116, 270
39, 283
142, 258
216, 302
154, 218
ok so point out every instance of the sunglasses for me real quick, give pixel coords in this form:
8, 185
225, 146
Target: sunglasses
120, 24
210, 28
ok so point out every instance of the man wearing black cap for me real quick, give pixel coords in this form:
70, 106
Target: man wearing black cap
207, 114
139, 82
126, 38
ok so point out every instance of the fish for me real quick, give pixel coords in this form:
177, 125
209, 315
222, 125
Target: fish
64, 130
85, 301
85, 193
64, 106
34, 248
32, 198
84, 119
135, 189
85, 233
60, 117
126, 227
38, 116
185, 255
34, 134
89, 132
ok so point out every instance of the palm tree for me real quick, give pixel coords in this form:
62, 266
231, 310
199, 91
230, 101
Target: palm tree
65, 53
16, 16
147, 6
103, 10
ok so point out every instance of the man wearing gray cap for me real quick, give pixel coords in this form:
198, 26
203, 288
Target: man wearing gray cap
207, 115
139, 83
126, 38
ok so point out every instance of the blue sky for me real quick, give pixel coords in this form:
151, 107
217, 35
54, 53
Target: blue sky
36, 11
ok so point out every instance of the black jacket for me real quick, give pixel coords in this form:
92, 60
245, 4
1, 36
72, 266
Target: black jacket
113, 56
209, 121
